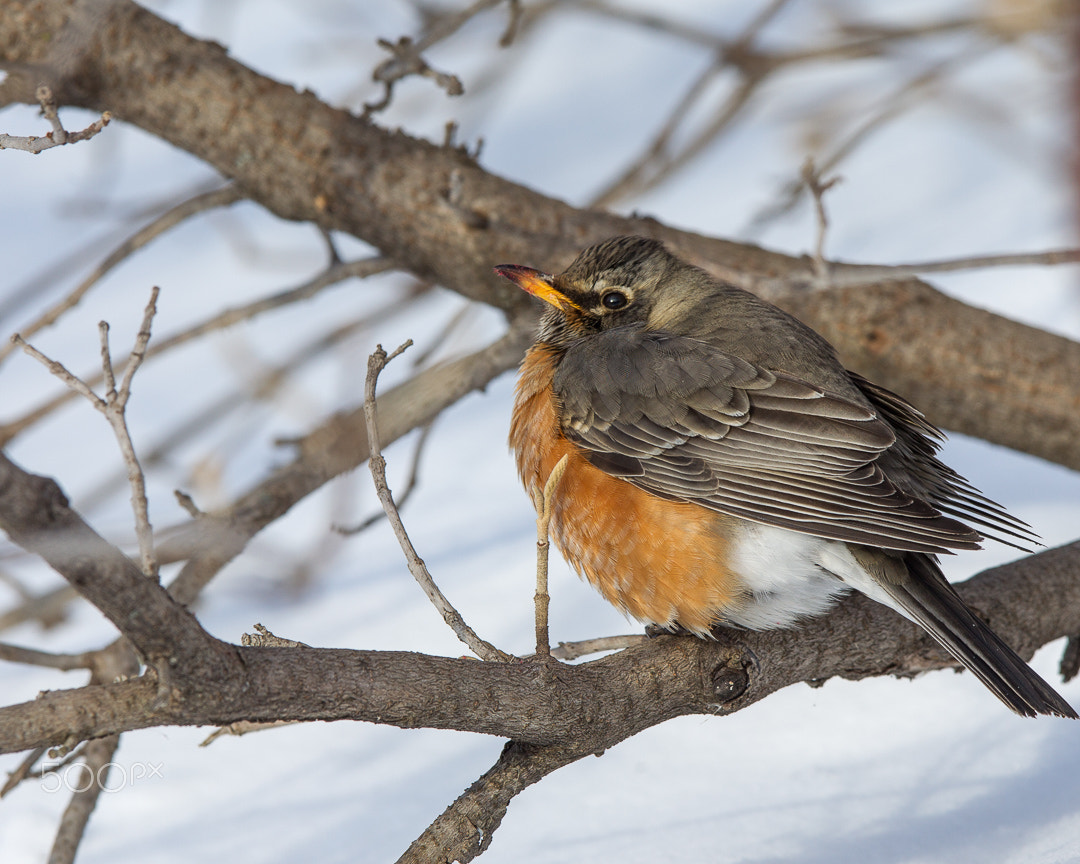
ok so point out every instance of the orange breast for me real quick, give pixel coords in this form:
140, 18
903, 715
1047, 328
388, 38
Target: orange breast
658, 560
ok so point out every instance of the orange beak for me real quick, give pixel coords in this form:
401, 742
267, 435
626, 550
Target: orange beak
538, 284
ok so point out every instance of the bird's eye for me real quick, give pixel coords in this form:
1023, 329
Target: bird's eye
614, 300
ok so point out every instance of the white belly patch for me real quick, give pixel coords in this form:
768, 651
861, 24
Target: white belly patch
788, 576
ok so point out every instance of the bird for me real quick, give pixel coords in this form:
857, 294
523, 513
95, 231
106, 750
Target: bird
724, 469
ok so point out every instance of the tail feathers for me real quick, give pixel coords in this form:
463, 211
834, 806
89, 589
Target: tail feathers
931, 601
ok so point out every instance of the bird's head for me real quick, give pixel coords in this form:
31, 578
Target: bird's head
619, 282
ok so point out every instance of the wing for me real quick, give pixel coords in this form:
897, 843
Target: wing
683, 420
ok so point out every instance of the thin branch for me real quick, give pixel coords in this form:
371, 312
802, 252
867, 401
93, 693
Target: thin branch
573, 650
48, 610
114, 406
185, 210
243, 727
407, 56
97, 760
817, 185
59, 135
403, 498
513, 22
407, 60
336, 446
891, 107
332, 275
753, 68
117, 414
60, 371
25, 770
484, 650
32, 657
858, 274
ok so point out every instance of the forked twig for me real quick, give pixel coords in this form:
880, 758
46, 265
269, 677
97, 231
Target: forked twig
59, 135
332, 275
114, 406
817, 185
484, 650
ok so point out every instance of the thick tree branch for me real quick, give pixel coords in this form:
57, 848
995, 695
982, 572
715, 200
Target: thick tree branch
589, 707
439, 213
35, 514
538, 702
465, 829
97, 760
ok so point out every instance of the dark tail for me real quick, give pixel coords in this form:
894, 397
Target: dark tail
931, 600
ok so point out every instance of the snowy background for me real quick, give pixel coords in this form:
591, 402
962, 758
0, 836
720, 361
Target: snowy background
929, 770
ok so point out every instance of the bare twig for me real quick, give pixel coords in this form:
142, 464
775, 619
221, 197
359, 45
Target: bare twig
185, 210
543, 522
878, 273
656, 164
58, 136
573, 650
332, 275
24, 770
244, 727
513, 22
187, 503
818, 186
262, 387
49, 609
410, 485
32, 657
484, 650
891, 107
117, 417
407, 60
97, 759
114, 406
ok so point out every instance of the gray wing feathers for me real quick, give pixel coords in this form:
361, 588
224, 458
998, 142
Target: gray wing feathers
685, 421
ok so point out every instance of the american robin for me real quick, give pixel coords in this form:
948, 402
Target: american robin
726, 469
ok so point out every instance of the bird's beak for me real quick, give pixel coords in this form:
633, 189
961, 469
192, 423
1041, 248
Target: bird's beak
538, 284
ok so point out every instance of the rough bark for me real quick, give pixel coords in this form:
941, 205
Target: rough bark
588, 707
441, 215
